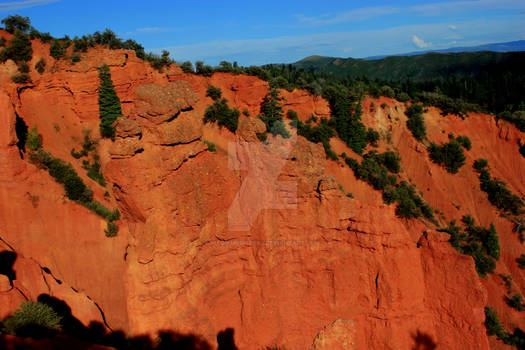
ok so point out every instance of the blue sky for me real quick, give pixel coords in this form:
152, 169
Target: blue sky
259, 32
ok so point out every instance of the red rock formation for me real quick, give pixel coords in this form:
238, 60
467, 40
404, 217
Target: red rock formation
309, 266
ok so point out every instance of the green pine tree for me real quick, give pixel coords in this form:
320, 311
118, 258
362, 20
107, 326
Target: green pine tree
108, 103
272, 113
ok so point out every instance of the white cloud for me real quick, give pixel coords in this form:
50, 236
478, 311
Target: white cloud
452, 27
433, 9
359, 14
419, 42
8, 6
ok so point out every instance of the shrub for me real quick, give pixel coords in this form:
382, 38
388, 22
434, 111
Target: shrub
292, 115
2, 41
372, 137
387, 91
492, 323
75, 58
159, 62
211, 146
40, 66
449, 155
221, 113
447, 104
21, 78
19, 49
464, 141
187, 67
111, 230
517, 118
23, 68
33, 319
415, 122
224, 66
479, 242
521, 261
16, 22
214, 92
498, 193
56, 50
379, 171
203, 69
494, 327
516, 302
280, 82
34, 140
410, 205
93, 170
318, 133
108, 102
403, 97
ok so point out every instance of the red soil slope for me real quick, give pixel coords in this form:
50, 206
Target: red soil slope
210, 240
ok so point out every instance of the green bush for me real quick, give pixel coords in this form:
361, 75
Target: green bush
16, 23
108, 103
415, 122
292, 115
517, 118
214, 92
498, 193
159, 62
516, 302
379, 170
19, 49
40, 66
56, 50
211, 146
21, 78
203, 69
23, 68
33, 140
492, 322
479, 242
464, 141
220, 112
372, 137
521, 261
111, 230
93, 170
447, 104
494, 327
387, 91
33, 319
2, 41
75, 58
449, 154
321, 133
409, 204
187, 67
224, 66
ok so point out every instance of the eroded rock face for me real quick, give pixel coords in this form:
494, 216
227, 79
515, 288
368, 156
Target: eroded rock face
306, 267
161, 103
337, 336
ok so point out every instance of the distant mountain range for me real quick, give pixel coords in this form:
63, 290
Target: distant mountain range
511, 46
420, 66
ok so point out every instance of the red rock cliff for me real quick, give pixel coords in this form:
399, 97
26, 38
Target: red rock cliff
257, 238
